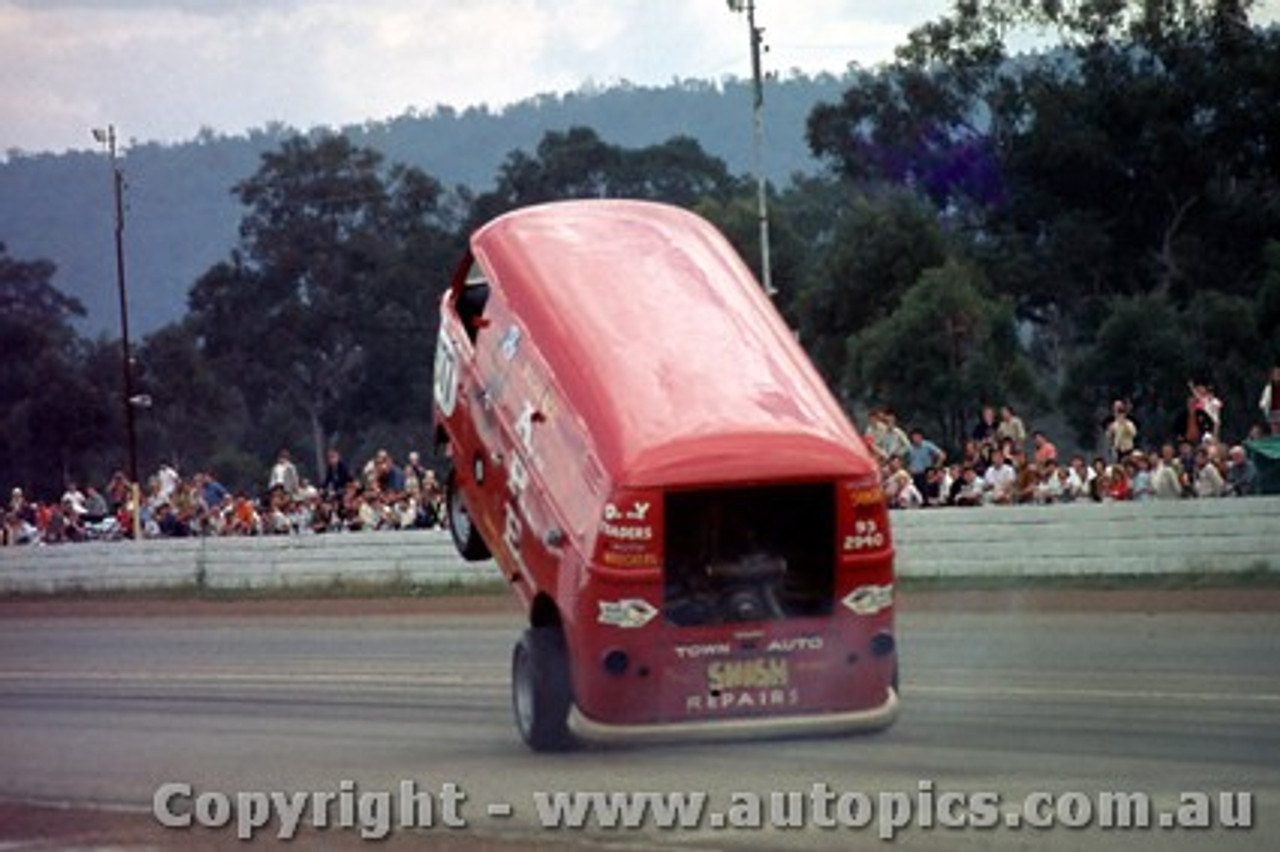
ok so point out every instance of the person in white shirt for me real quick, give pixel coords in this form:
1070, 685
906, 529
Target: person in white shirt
999, 480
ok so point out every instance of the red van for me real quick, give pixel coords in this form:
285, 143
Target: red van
695, 529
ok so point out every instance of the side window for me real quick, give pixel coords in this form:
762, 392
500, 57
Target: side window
471, 301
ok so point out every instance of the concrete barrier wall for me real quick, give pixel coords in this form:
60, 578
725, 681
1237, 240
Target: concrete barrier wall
421, 557
1156, 537
1193, 536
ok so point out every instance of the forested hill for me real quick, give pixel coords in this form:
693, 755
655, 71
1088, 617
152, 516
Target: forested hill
181, 216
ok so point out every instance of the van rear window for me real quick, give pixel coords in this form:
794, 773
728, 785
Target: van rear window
749, 554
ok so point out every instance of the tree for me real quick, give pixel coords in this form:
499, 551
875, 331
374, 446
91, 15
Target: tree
325, 315
52, 419
877, 249
945, 351
1139, 356
195, 414
1140, 155
579, 164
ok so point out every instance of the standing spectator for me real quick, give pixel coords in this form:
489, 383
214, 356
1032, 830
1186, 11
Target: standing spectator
985, 430
1045, 450
1205, 413
1121, 432
1269, 401
212, 492
336, 475
1242, 474
1011, 429
432, 500
284, 474
889, 440
1187, 467
922, 454
167, 480
414, 474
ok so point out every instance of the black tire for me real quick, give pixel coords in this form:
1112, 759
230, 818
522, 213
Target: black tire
466, 538
541, 693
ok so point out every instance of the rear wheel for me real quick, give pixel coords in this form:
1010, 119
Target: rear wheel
540, 689
466, 538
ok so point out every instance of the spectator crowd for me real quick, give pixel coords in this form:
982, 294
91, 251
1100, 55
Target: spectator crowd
382, 495
999, 464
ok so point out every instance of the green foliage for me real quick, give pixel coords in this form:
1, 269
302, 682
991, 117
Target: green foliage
876, 249
577, 163
326, 317
1140, 356
945, 351
51, 414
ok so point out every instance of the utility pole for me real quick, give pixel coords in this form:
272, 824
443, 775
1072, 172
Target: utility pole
757, 111
108, 139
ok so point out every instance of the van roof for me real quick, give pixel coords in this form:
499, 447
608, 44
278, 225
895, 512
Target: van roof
662, 340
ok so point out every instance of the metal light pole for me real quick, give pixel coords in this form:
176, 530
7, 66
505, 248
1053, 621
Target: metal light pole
108, 138
757, 110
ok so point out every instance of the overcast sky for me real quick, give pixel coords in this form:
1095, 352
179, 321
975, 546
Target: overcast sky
161, 70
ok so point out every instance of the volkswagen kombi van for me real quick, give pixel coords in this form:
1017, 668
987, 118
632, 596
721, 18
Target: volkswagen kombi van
694, 528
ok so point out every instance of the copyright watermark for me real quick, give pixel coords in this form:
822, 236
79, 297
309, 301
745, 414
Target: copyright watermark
375, 814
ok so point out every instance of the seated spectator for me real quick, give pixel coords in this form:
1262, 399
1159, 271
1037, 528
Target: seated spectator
1117, 486
1028, 482
1242, 473
905, 493
976, 454
73, 502
245, 519
969, 489
1000, 480
935, 486
1051, 484
169, 522
1098, 481
118, 490
1140, 482
95, 506
1167, 477
1208, 479
1070, 489
889, 481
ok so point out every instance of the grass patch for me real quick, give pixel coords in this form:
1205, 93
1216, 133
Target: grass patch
1260, 576
336, 589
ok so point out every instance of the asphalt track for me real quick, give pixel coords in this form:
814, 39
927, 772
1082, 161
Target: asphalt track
99, 710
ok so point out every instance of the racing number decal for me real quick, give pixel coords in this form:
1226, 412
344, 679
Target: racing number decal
446, 374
